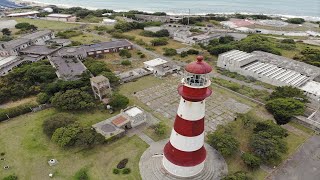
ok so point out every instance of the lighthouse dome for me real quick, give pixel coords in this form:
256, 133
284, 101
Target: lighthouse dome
198, 67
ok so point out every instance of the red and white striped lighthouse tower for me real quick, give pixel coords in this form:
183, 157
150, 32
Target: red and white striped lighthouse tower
184, 154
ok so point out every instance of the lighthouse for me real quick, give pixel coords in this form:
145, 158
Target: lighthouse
185, 154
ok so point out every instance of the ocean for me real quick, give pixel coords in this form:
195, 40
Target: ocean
8, 4
279, 7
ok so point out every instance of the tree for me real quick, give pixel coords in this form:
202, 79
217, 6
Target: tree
159, 41
283, 109
169, 52
224, 142
113, 79
88, 137
6, 32
82, 174
26, 26
267, 147
219, 49
119, 101
73, 100
162, 33
240, 175
251, 160
66, 136
56, 121
96, 67
288, 92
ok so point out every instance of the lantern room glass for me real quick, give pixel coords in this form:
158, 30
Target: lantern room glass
196, 80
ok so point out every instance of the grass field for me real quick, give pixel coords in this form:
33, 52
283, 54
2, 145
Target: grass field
89, 38
11, 104
44, 24
27, 151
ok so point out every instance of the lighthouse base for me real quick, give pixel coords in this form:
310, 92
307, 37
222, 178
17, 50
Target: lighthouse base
152, 167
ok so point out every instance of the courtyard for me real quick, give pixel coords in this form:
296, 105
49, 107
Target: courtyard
164, 99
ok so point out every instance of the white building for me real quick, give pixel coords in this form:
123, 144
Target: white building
161, 67
24, 14
108, 21
185, 36
7, 64
62, 17
268, 71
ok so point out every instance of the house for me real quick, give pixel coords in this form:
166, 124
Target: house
107, 47
24, 14
62, 17
160, 67
133, 74
13, 47
116, 127
187, 37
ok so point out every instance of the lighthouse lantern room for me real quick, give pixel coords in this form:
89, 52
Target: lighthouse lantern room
185, 154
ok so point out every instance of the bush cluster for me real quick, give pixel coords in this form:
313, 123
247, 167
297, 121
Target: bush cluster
16, 111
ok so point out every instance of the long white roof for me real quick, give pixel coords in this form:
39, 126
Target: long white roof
312, 87
5, 60
155, 62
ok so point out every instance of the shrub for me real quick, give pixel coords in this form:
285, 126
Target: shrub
82, 174
87, 137
126, 63
16, 111
122, 164
251, 160
224, 142
43, 98
142, 55
96, 67
69, 33
169, 52
288, 41
126, 171
125, 53
240, 175
193, 52
184, 54
118, 101
296, 20
160, 128
11, 177
116, 171
66, 136
288, 92
159, 41
57, 121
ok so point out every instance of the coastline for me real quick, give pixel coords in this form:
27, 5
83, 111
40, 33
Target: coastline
42, 4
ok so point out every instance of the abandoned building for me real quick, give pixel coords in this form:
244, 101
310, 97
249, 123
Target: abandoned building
273, 69
100, 86
62, 17
153, 18
116, 126
160, 67
133, 74
13, 47
107, 47
8, 63
59, 42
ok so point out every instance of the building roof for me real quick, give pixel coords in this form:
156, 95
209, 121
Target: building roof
106, 45
39, 50
109, 20
120, 121
71, 51
155, 62
133, 111
99, 79
5, 60
198, 67
37, 34
23, 13
60, 15
312, 87
16, 42
68, 68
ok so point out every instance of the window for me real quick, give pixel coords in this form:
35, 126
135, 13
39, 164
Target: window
196, 79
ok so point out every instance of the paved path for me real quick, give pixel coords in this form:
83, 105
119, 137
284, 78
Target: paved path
303, 165
145, 138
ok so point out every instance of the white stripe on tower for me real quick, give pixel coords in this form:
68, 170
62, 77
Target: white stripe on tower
185, 143
191, 111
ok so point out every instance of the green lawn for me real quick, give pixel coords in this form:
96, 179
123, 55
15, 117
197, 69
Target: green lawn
88, 38
44, 24
27, 151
